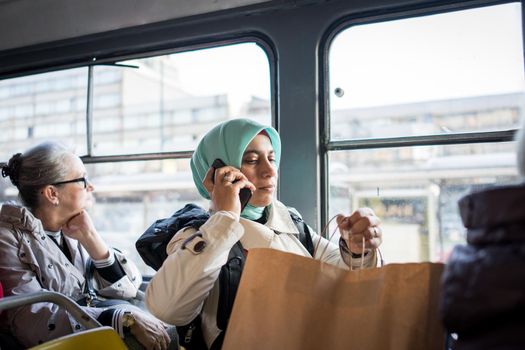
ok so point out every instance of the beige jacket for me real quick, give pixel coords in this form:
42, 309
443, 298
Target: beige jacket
187, 283
31, 262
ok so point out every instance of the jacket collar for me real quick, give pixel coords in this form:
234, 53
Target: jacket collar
494, 214
494, 206
20, 217
279, 219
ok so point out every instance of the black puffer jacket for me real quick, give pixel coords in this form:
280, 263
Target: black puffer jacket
483, 286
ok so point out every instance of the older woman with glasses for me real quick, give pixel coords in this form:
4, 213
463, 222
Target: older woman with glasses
50, 243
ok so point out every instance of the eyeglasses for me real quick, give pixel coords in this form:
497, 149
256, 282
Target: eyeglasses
80, 179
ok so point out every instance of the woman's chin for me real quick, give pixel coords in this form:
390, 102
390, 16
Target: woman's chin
262, 201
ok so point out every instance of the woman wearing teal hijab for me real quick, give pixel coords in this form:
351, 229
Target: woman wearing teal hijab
189, 289
228, 142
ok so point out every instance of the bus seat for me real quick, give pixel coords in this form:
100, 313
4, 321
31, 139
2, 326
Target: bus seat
51, 297
7, 340
96, 338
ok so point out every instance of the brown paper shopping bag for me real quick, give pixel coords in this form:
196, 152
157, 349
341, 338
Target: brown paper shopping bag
290, 302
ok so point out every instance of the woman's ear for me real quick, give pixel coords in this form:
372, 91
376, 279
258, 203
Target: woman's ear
209, 180
50, 195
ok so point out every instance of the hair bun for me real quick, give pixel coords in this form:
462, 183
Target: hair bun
12, 168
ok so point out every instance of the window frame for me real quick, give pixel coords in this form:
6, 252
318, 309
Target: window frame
258, 39
89, 158
112, 59
327, 145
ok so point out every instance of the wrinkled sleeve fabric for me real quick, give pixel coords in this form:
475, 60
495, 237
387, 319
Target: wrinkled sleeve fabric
34, 323
124, 285
177, 292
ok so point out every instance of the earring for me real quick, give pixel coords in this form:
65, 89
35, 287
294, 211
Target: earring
55, 204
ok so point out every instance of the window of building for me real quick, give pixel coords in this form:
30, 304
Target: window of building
38, 106
419, 112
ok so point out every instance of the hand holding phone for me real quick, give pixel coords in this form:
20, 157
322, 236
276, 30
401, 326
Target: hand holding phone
244, 194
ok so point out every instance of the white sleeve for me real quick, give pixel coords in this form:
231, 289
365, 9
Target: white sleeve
127, 286
334, 254
178, 290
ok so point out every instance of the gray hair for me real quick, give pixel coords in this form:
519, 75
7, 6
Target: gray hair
41, 165
520, 137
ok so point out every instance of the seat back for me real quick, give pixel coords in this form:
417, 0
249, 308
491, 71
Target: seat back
98, 338
61, 300
8, 341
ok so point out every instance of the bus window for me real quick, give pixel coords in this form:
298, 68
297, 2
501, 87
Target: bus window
427, 79
415, 190
166, 103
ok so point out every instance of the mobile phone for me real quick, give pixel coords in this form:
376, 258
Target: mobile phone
244, 194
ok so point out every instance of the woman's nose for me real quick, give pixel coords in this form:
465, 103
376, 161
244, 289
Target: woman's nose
268, 168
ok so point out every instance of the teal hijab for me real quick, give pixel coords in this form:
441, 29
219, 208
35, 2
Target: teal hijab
228, 141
